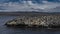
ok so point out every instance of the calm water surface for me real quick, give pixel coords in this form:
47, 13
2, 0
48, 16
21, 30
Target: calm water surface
11, 30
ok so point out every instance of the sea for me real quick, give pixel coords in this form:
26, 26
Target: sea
13, 30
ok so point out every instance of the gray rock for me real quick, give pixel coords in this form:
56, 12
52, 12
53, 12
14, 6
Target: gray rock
48, 21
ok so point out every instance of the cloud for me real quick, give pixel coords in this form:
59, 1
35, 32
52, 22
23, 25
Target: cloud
28, 6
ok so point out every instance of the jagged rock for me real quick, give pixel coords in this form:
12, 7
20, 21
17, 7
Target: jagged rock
36, 21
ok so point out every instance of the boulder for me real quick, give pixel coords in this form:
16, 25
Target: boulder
51, 21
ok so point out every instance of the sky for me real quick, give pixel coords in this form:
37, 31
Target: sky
30, 5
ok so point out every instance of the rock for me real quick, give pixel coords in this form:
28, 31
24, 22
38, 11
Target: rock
51, 21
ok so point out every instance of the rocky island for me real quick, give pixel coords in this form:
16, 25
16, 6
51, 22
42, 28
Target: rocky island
52, 21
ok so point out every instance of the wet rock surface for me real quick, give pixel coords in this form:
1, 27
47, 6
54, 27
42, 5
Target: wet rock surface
52, 21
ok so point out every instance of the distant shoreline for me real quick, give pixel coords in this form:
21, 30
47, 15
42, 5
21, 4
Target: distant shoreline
29, 13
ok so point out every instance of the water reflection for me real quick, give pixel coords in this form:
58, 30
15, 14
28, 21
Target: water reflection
13, 30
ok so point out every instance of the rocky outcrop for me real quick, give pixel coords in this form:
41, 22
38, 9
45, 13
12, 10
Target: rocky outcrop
52, 21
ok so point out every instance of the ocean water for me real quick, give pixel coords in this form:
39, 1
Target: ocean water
12, 30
